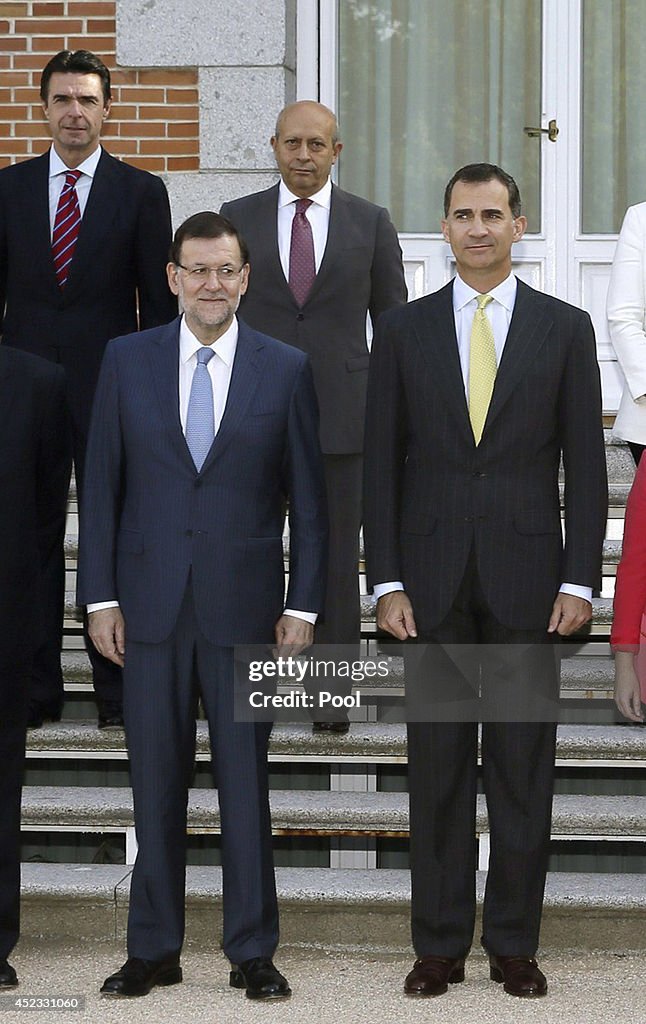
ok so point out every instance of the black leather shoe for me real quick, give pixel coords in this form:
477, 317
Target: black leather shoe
137, 977
520, 975
8, 977
432, 975
110, 714
338, 727
43, 711
260, 978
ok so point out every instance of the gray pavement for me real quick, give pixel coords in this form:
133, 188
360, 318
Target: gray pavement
331, 985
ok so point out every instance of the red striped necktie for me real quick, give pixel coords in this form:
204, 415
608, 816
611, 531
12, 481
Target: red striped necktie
67, 225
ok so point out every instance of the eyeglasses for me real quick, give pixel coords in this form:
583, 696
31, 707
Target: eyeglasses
225, 274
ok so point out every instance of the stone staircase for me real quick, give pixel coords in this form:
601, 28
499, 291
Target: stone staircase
339, 806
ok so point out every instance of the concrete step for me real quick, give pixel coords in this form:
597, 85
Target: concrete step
327, 906
317, 812
620, 746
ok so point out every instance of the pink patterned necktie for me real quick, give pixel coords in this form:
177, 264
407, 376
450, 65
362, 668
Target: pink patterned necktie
67, 224
302, 268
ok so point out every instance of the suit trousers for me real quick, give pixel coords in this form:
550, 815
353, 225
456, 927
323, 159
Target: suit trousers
14, 682
341, 621
81, 374
162, 683
517, 772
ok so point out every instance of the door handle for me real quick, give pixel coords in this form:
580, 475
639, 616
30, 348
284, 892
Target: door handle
551, 131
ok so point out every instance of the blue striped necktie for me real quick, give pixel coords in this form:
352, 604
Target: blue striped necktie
200, 419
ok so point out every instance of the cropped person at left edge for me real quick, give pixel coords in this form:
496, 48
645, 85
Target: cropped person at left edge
35, 462
202, 430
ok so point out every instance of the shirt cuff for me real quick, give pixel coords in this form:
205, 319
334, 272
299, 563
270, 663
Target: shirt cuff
576, 591
100, 605
310, 617
381, 589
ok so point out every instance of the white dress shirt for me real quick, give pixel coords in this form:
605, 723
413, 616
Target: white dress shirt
499, 313
318, 214
219, 369
57, 172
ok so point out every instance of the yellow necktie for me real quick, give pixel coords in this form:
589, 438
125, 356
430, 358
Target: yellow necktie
482, 367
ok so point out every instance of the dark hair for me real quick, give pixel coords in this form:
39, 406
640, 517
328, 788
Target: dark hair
80, 62
206, 225
476, 173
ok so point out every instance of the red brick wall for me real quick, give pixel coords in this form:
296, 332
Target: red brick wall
154, 118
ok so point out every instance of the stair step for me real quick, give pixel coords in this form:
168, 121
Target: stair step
316, 812
620, 746
327, 906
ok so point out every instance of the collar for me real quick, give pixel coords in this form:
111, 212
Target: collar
224, 346
89, 166
322, 198
504, 293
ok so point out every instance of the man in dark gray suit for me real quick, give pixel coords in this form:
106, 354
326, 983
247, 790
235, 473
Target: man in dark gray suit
475, 393
354, 267
83, 244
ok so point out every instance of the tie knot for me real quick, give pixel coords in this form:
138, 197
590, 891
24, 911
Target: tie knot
302, 205
204, 354
483, 300
71, 177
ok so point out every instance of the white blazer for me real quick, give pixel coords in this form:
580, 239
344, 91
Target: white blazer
626, 310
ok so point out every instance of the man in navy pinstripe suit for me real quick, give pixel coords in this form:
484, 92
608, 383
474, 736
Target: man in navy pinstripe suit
464, 546
180, 559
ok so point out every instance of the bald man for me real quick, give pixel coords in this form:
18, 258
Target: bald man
319, 268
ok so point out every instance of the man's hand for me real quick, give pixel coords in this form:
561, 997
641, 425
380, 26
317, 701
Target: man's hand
569, 613
395, 615
108, 633
293, 635
627, 691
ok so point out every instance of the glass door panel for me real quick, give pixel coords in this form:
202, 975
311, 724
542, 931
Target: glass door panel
425, 87
613, 148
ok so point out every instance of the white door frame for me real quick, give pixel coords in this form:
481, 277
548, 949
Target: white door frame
558, 259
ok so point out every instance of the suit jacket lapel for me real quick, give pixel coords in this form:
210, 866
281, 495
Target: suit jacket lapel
435, 330
37, 224
163, 360
530, 324
334, 239
101, 208
267, 219
244, 381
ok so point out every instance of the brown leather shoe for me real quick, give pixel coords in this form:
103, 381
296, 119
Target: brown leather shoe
432, 975
520, 974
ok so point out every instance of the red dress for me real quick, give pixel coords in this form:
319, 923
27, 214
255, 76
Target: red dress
630, 589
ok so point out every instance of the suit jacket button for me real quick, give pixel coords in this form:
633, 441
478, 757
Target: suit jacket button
300, 316
468, 519
198, 483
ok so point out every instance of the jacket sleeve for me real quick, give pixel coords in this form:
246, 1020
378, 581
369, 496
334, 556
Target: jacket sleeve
384, 457
305, 486
102, 488
54, 465
387, 282
626, 305
157, 304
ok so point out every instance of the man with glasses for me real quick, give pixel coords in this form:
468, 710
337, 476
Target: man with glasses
323, 260
202, 430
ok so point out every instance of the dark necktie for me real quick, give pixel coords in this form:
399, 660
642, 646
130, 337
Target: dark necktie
302, 268
67, 224
200, 418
